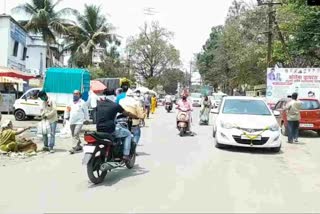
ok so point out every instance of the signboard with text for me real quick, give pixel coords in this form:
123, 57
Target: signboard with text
282, 82
18, 34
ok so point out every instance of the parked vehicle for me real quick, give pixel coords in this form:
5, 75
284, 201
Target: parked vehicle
195, 99
59, 84
103, 152
310, 115
246, 122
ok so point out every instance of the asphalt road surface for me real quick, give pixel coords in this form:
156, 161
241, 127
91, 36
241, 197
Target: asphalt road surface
172, 174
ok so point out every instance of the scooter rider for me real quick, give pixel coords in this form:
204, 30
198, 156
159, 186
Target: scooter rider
106, 115
185, 105
168, 99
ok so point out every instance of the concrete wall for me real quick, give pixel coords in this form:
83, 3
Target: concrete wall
4, 43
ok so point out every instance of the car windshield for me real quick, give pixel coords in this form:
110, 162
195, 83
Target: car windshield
250, 107
196, 95
310, 105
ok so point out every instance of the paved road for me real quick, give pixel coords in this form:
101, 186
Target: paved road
172, 174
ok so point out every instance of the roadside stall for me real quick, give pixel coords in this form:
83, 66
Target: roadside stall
12, 84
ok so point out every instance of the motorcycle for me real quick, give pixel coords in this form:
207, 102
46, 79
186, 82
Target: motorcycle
183, 121
103, 153
168, 106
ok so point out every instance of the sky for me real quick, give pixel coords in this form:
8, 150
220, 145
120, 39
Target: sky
189, 20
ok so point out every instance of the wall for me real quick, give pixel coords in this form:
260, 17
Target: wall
4, 44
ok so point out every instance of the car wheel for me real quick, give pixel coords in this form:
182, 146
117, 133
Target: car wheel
20, 115
284, 130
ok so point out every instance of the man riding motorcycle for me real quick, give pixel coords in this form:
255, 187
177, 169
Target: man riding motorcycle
168, 100
185, 105
106, 113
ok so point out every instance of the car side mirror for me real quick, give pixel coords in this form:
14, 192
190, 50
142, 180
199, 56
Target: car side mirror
276, 113
215, 111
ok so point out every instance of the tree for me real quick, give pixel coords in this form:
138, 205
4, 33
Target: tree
92, 30
152, 54
170, 80
45, 20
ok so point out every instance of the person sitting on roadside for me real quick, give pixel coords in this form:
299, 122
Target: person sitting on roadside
49, 112
106, 114
8, 142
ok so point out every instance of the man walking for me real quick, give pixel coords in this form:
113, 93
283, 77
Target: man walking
293, 117
77, 114
49, 112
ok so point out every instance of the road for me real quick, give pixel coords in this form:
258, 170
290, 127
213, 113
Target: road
172, 174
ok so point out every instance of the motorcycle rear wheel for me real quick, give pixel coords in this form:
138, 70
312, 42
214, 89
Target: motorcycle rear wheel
94, 172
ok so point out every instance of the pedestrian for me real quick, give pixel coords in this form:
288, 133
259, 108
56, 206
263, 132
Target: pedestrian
78, 115
49, 112
147, 104
153, 104
293, 116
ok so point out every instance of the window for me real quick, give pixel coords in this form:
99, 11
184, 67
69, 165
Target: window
310, 105
32, 95
15, 48
24, 55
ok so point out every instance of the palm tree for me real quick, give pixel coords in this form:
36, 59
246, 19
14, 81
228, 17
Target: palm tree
45, 20
92, 30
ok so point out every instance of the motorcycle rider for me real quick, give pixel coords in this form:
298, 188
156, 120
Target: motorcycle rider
184, 104
106, 115
168, 99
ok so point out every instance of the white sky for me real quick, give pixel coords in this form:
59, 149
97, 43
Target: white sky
190, 20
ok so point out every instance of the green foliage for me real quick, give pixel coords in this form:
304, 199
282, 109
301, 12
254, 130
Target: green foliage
170, 78
45, 19
92, 30
235, 54
151, 53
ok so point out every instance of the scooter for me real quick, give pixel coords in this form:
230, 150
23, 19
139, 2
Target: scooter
183, 122
168, 106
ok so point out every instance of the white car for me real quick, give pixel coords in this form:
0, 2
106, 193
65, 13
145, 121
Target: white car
196, 99
246, 122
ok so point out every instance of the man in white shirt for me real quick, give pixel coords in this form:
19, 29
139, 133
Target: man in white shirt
77, 114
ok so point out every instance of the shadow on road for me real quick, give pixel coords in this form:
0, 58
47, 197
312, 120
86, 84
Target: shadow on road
116, 175
142, 154
308, 134
260, 151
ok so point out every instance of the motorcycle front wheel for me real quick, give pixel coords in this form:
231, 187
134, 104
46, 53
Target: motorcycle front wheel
182, 132
95, 174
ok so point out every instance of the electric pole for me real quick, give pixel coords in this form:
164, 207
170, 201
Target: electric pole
271, 19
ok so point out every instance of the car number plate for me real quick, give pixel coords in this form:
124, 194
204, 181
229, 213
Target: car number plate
305, 125
88, 149
249, 137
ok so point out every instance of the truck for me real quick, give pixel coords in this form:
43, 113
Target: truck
282, 82
59, 84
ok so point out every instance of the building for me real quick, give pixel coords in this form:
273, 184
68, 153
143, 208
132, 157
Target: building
23, 51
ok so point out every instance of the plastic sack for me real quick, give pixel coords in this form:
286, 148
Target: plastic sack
66, 131
44, 127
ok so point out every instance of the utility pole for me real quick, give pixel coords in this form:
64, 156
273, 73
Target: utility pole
271, 19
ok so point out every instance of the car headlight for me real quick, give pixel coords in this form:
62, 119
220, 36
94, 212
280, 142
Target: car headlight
274, 127
226, 125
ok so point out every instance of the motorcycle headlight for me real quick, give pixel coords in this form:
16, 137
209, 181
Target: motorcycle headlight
227, 125
274, 127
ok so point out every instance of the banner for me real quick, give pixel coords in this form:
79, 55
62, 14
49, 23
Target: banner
282, 82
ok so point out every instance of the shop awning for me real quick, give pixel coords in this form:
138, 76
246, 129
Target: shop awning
11, 80
97, 86
9, 72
